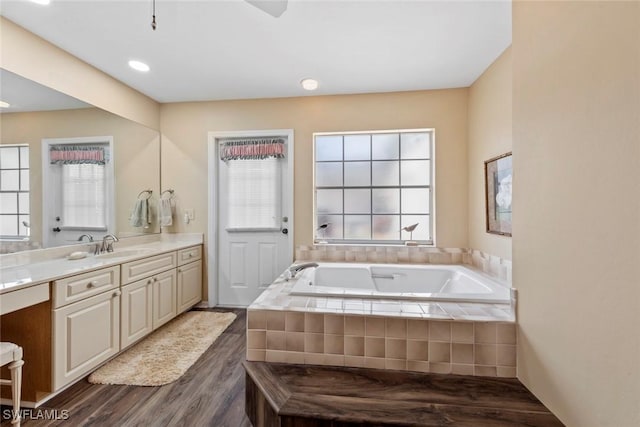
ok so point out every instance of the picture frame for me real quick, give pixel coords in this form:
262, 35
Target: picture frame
498, 178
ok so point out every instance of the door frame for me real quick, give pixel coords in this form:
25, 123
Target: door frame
212, 181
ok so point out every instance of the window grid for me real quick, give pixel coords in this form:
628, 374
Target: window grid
21, 213
400, 213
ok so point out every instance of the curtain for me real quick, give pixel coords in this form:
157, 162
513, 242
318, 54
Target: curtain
68, 154
252, 149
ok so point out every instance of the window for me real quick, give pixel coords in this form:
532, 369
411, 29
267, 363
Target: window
84, 196
14, 191
371, 185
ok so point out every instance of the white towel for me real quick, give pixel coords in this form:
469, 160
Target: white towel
164, 213
140, 215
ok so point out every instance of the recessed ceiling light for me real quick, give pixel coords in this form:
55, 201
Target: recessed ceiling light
4, 104
42, 2
309, 84
139, 66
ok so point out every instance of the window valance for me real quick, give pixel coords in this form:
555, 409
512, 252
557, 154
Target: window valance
252, 148
78, 154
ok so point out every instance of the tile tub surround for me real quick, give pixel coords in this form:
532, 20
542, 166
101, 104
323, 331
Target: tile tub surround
454, 338
489, 264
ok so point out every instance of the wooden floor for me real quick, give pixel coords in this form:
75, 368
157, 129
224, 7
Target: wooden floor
210, 393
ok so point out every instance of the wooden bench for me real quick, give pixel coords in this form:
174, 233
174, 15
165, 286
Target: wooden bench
288, 395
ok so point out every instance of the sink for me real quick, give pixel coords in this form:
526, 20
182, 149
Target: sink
126, 253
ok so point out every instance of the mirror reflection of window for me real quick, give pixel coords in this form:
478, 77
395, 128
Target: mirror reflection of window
14, 192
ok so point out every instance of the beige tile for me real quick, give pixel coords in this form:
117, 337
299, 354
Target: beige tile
395, 364
275, 320
294, 341
418, 350
333, 344
294, 357
276, 356
256, 340
396, 328
334, 359
440, 368
485, 354
276, 340
396, 348
256, 319
506, 372
485, 333
354, 325
313, 359
462, 332
374, 347
374, 326
439, 352
439, 331
462, 353
334, 324
506, 333
506, 355
314, 322
418, 329
461, 369
256, 355
314, 343
374, 362
485, 371
294, 322
353, 346
418, 366
354, 361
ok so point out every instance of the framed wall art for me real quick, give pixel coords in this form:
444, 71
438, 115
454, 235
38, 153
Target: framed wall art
498, 178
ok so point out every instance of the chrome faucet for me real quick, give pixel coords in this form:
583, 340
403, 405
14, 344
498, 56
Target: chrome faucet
106, 245
88, 236
297, 268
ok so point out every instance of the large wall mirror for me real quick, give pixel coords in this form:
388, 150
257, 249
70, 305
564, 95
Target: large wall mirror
69, 169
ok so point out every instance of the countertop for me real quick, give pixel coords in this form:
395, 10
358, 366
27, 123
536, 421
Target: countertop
22, 276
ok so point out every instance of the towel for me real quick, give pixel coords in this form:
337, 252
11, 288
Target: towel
164, 213
140, 215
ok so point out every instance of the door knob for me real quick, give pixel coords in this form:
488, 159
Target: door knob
285, 231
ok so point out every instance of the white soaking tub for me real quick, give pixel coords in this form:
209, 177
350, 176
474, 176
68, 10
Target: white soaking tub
455, 283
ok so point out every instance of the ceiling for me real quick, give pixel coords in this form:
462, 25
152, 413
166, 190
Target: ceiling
215, 49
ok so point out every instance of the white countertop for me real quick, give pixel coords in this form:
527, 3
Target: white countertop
16, 277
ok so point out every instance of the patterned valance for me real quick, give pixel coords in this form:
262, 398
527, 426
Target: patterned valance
78, 154
252, 149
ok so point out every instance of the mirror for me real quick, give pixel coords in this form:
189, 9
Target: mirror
38, 116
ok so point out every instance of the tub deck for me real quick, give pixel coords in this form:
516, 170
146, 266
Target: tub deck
318, 396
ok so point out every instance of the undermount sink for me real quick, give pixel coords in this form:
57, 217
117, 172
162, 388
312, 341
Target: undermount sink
126, 252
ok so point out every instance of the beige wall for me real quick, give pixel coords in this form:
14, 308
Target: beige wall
184, 146
489, 136
136, 160
34, 58
576, 245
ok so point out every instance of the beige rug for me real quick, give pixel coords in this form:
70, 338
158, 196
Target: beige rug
167, 353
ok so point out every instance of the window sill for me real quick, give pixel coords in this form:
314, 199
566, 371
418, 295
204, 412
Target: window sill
382, 245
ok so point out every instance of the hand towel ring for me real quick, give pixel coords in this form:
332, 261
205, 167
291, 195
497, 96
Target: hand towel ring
149, 193
170, 191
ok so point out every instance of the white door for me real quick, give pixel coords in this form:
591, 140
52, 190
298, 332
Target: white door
254, 220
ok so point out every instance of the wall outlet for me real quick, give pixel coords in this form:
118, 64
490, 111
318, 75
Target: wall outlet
190, 213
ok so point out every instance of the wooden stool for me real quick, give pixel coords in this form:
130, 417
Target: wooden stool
12, 354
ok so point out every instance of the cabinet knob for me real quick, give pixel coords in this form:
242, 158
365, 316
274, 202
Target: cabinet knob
179, 270
148, 281
116, 294
155, 279
190, 255
92, 284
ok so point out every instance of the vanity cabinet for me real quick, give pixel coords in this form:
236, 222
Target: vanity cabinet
189, 278
164, 298
85, 334
136, 315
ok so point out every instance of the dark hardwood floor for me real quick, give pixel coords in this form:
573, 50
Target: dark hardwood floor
210, 393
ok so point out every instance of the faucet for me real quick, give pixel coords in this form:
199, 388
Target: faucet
88, 236
296, 268
106, 245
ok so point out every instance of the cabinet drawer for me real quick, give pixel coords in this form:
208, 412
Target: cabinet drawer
188, 255
75, 288
136, 270
15, 300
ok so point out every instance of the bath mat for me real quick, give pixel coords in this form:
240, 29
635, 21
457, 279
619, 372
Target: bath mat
167, 353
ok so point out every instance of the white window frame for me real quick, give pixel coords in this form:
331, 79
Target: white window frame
18, 191
431, 186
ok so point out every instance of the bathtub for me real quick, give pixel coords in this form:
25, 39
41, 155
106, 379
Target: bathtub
452, 283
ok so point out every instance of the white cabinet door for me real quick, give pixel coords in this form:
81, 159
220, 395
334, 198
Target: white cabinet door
137, 311
164, 297
86, 334
189, 285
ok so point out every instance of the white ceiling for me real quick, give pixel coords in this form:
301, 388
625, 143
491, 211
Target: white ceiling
211, 50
